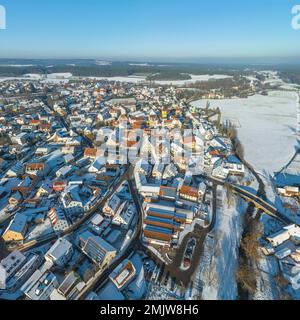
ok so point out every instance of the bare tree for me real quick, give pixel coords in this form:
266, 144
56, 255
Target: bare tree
230, 195
246, 277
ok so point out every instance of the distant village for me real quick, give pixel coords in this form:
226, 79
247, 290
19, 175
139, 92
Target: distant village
101, 181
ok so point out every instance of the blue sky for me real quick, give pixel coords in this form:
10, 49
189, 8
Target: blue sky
156, 29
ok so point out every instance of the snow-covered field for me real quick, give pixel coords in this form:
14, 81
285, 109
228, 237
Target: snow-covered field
266, 285
58, 77
17, 65
219, 262
103, 63
266, 127
137, 79
119, 79
51, 78
195, 78
12, 78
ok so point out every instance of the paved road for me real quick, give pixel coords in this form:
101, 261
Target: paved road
266, 207
262, 202
134, 243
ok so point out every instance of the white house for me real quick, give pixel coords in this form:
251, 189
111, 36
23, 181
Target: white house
125, 216
170, 171
221, 142
97, 165
158, 170
285, 234
112, 205
234, 166
64, 171
71, 200
142, 167
60, 253
231, 165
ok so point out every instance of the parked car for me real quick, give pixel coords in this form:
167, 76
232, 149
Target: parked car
188, 255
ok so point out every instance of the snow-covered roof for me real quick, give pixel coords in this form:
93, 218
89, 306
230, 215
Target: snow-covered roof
59, 249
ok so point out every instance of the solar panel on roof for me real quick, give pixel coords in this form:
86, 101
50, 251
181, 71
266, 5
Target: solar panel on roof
162, 220
161, 211
158, 230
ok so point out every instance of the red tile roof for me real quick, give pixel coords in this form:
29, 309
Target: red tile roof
90, 152
190, 191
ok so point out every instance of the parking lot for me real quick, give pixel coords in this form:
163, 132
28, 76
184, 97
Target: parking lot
173, 272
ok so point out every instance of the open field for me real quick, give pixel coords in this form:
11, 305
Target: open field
266, 127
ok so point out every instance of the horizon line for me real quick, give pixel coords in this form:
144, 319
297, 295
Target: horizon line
168, 60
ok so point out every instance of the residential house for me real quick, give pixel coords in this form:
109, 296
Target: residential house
60, 253
123, 274
285, 234
97, 249
189, 193
97, 165
44, 190
17, 229
92, 153
71, 200
158, 170
124, 216
21, 138
59, 186
37, 169
65, 171
170, 171
15, 198
111, 207
58, 220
